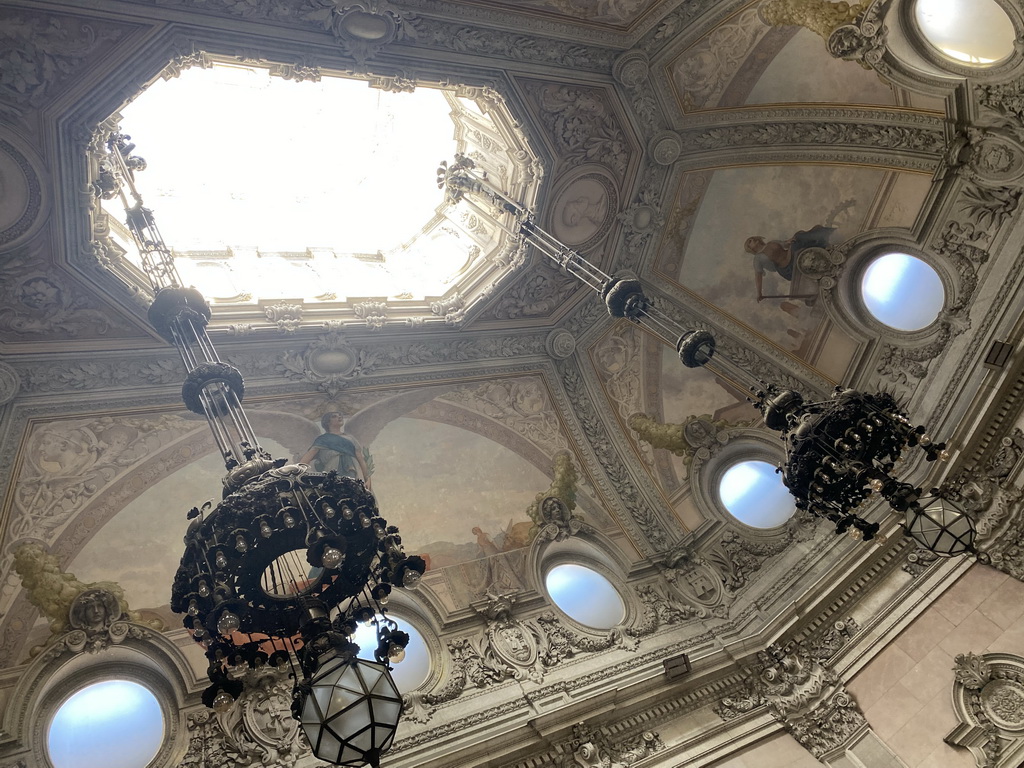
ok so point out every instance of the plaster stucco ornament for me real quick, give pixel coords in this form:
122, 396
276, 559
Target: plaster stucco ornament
592, 748
552, 510
988, 698
259, 731
330, 363
93, 615
362, 27
697, 437
802, 693
10, 383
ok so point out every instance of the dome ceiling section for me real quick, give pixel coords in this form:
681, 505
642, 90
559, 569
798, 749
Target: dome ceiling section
597, 159
357, 234
797, 206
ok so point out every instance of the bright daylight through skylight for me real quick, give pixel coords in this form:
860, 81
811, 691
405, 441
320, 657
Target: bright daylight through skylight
312, 185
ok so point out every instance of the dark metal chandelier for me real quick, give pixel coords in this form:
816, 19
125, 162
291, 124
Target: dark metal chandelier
286, 566
839, 452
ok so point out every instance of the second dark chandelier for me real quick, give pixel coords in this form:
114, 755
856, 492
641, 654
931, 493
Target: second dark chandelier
839, 452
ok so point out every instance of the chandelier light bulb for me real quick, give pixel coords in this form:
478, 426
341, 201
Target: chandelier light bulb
346, 512
925, 439
412, 579
193, 609
333, 557
265, 530
875, 483
228, 623
221, 561
944, 455
241, 544
329, 511
396, 654
289, 521
222, 702
204, 589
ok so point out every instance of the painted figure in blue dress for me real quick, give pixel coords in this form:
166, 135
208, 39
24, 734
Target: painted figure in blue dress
335, 450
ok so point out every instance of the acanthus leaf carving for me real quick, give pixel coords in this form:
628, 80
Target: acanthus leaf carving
330, 363
582, 123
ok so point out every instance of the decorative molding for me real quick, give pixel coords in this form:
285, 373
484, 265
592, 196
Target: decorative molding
10, 383
912, 139
988, 699
257, 730
38, 53
362, 27
586, 413
593, 748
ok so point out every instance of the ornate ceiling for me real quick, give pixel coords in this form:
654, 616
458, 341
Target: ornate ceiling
667, 133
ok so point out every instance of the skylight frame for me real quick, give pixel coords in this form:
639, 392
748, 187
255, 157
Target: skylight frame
485, 129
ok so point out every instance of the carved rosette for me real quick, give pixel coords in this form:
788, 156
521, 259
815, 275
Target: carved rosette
988, 698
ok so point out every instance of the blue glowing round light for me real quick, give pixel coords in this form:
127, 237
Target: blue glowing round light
902, 292
585, 595
112, 724
753, 493
410, 672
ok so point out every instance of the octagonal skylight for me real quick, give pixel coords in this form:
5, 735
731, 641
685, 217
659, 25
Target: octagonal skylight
322, 190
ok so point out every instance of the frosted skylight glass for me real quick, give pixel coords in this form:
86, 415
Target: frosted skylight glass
295, 178
902, 292
411, 671
585, 595
753, 493
968, 31
113, 724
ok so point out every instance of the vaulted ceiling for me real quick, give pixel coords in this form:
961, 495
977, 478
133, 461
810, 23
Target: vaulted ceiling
666, 133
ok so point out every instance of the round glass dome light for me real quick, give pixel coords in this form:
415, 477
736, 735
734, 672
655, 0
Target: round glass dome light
974, 32
585, 595
410, 672
111, 724
753, 493
902, 292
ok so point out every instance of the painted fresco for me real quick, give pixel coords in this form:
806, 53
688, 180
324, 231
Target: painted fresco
639, 374
790, 206
456, 467
804, 72
743, 61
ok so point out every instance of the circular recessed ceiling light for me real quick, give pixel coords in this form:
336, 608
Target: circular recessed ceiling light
753, 493
585, 595
93, 720
411, 671
902, 292
974, 32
